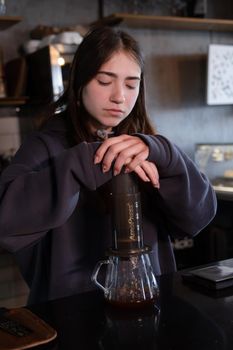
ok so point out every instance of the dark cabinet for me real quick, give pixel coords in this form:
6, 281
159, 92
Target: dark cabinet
215, 242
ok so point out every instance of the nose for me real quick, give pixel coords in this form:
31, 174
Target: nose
117, 94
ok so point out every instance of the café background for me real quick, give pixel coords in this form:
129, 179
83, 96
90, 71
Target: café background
176, 63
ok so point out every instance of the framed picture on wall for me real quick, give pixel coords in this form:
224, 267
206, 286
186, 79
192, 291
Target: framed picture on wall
220, 75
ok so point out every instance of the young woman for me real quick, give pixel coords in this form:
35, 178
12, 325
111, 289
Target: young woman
54, 212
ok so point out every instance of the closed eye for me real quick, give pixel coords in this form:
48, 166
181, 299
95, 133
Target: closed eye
131, 87
104, 82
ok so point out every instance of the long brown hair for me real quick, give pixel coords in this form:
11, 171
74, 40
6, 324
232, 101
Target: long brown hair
96, 48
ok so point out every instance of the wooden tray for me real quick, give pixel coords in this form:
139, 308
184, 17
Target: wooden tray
41, 332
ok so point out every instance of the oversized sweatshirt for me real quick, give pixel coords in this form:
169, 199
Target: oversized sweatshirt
55, 215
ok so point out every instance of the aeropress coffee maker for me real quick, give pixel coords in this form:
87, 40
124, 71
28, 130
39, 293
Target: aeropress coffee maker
129, 281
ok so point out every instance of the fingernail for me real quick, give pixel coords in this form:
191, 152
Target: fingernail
157, 185
127, 170
96, 160
115, 172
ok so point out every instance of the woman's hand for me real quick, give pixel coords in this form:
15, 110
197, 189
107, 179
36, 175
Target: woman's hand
147, 171
130, 152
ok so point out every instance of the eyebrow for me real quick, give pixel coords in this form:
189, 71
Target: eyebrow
110, 74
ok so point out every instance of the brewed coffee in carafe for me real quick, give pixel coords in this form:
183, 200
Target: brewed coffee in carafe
130, 281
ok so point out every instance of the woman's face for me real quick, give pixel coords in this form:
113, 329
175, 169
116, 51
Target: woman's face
111, 95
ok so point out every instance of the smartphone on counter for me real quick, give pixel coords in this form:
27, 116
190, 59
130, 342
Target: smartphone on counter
214, 277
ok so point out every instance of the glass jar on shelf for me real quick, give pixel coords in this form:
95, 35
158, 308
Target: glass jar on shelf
2, 7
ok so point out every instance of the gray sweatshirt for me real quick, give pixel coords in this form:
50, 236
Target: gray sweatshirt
55, 216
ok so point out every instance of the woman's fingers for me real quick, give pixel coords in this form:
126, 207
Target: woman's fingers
151, 172
121, 150
103, 148
137, 160
127, 155
147, 171
141, 173
120, 153
129, 151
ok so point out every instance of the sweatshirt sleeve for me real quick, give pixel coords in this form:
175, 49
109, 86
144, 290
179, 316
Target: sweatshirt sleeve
186, 197
40, 189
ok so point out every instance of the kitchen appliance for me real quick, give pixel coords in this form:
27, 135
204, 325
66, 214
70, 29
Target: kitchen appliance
216, 161
130, 281
48, 71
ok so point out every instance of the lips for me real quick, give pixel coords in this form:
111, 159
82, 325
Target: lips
115, 112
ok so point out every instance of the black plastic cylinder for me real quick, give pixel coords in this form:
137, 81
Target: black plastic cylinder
127, 217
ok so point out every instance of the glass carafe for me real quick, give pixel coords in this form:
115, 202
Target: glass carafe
129, 281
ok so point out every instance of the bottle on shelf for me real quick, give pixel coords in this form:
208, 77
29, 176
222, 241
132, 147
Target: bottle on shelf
2, 78
2, 7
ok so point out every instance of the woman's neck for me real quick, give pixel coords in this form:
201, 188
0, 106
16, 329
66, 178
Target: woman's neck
99, 131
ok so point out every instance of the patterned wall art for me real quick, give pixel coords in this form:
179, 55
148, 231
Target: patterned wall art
220, 75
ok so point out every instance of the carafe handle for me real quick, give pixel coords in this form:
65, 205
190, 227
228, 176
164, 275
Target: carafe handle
96, 272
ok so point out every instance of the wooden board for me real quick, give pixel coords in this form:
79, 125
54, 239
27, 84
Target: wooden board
41, 332
8, 21
167, 22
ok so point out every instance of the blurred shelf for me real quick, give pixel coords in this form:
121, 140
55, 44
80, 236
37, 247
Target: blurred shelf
8, 21
13, 101
167, 22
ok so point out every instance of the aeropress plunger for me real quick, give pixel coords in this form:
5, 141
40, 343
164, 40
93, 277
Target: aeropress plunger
129, 281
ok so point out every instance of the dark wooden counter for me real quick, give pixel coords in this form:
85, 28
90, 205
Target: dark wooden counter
225, 195
189, 319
